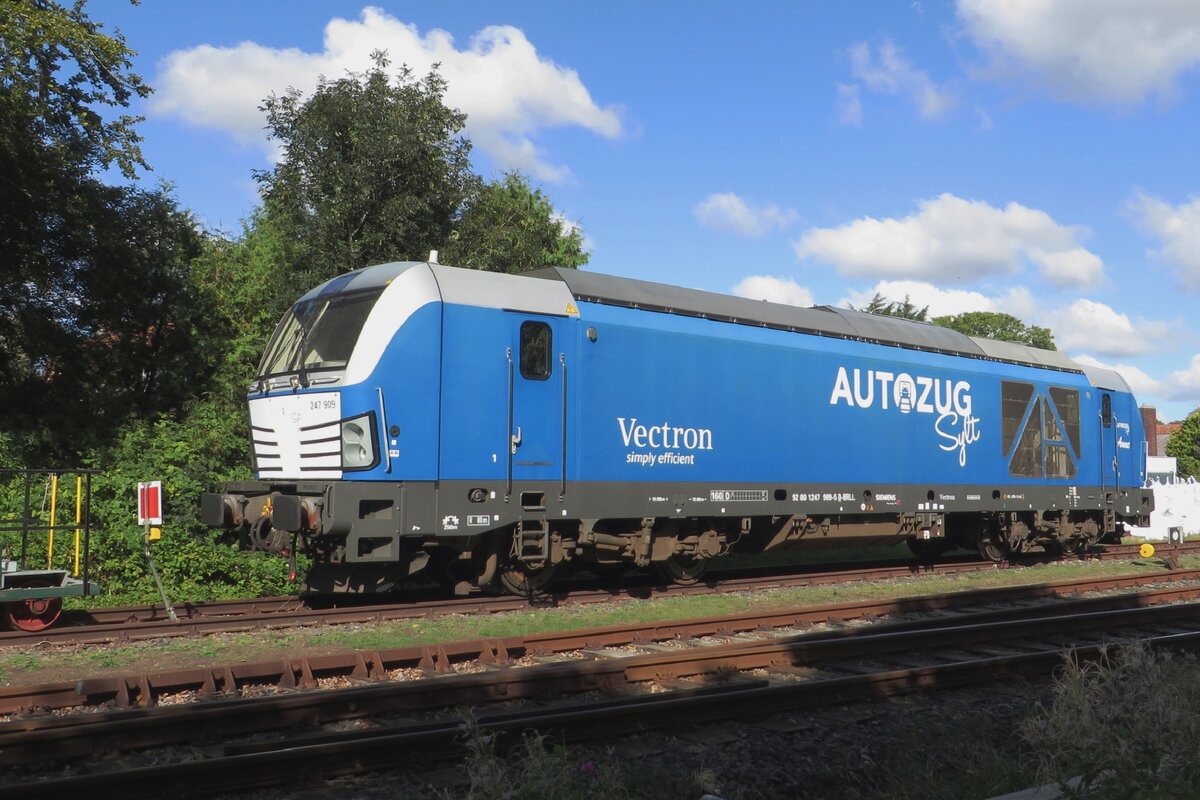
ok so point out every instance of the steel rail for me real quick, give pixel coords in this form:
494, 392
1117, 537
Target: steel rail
250, 766
144, 689
97, 626
25, 740
240, 616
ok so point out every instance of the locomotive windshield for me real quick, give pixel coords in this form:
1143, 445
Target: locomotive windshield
318, 334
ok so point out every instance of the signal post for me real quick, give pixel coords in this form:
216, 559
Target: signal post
150, 517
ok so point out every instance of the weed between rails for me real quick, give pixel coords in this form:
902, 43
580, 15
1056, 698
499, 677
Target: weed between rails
1127, 726
537, 768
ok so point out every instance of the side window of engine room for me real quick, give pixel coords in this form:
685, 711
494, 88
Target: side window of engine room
1040, 431
1065, 405
536, 343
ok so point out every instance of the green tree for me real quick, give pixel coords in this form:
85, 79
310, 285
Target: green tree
58, 67
507, 226
997, 325
1184, 446
112, 310
248, 280
55, 69
893, 308
128, 336
124, 331
95, 297
373, 170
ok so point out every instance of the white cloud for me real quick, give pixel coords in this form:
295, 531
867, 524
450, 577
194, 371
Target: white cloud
1084, 326
1141, 383
849, 105
729, 213
950, 239
1088, 326
1177, 229
1184, 384
776, 290
508, 90
1090, 50
890, 73
1181, 385
941, 302
1020, 303
1071, 267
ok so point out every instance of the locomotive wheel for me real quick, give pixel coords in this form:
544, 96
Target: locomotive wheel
1060, 547
35, 614
993, 545
682, 570
515, 577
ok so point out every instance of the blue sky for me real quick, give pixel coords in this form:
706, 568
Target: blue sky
1037, 158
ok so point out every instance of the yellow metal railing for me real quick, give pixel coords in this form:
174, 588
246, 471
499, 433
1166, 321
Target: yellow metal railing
39, 523
53, 518
78, 518
53, 522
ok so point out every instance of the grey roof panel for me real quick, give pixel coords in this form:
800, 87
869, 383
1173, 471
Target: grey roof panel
457, 285
1011, 351
611, 290
500, 290
821, 320
908, 333
1106, 379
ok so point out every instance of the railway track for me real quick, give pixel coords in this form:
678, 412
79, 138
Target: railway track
145, 689
108, 625
760, 673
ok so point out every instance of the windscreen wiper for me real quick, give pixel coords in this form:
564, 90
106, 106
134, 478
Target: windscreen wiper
302, 370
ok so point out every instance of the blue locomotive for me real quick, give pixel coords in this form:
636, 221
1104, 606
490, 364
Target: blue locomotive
489, 429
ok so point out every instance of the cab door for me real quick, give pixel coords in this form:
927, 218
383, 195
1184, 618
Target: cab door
537, 370
1110, 462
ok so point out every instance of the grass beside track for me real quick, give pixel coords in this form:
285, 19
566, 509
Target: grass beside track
72, 662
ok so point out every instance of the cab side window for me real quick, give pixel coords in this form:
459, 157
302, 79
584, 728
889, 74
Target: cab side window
535, 350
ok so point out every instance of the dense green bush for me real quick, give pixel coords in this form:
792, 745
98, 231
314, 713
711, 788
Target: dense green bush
190, 457
128, 334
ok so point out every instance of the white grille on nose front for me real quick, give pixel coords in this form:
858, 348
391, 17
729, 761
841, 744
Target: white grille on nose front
297, 436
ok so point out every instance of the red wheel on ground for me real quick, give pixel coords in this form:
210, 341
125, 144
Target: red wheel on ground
33, 615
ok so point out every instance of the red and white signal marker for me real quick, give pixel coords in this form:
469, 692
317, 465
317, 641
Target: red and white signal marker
150, 503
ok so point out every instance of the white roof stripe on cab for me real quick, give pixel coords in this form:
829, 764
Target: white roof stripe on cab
410, 289
412, 285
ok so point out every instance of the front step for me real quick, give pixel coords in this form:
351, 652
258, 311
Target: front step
533, 542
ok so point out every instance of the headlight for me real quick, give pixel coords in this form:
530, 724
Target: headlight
358, 445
